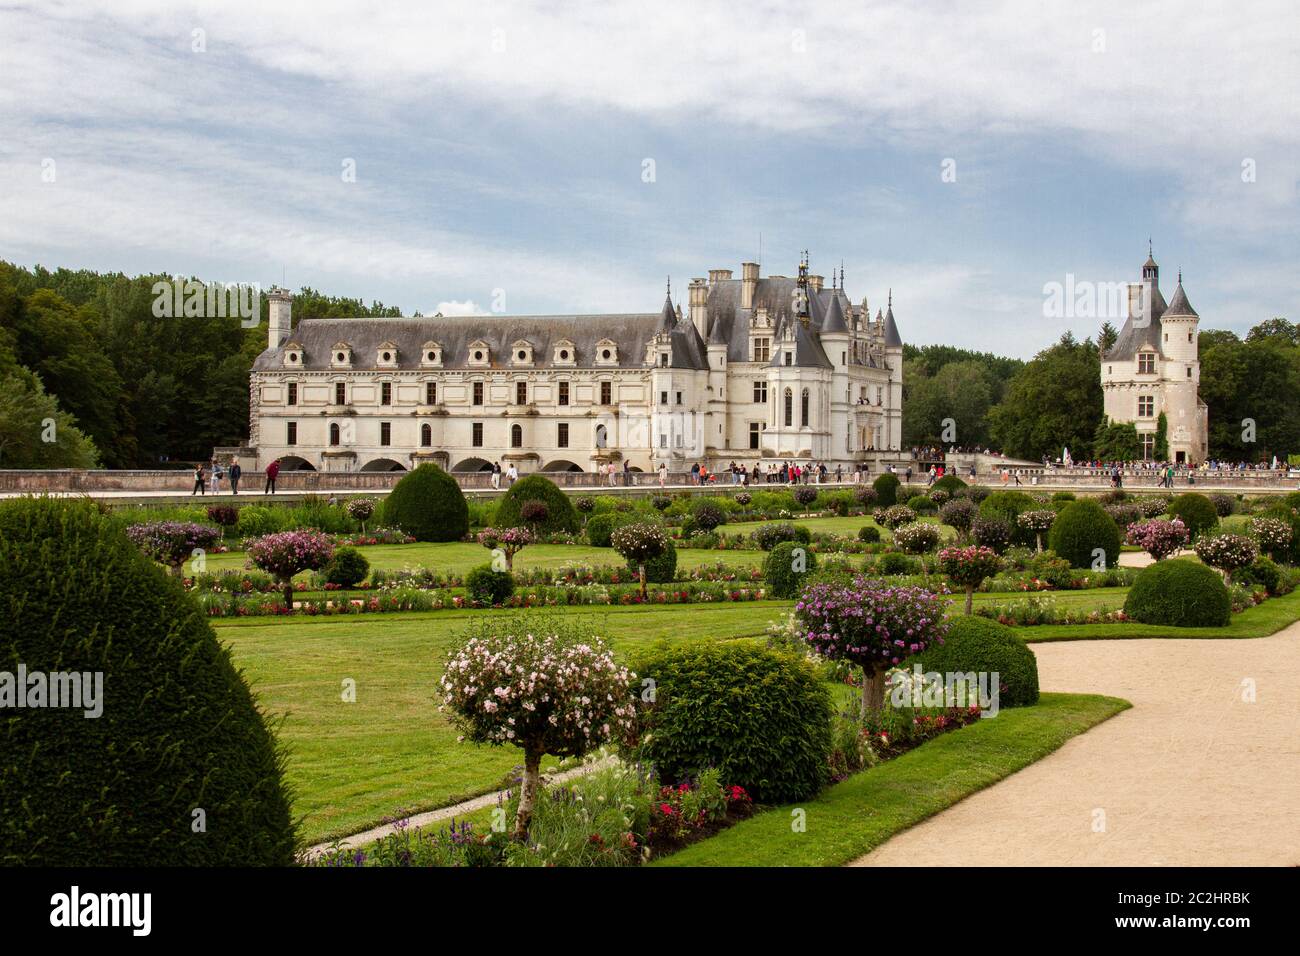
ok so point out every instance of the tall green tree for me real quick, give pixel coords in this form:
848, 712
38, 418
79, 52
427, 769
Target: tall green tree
1054, 402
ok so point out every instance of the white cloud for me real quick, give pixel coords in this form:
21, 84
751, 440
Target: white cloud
467, 307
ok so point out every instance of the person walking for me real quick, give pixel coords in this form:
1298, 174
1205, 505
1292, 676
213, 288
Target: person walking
200, 481
663, 474
236, 472
512, 473
215, 475
496, 475
272, 470
627, 473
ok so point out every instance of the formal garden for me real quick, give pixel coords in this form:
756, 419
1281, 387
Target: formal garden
720, 677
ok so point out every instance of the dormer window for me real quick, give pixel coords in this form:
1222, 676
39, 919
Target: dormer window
1146, 363
341, 355
606, 352
479, 353
293, 355
521, 353
431, 354
387, 355
565, 353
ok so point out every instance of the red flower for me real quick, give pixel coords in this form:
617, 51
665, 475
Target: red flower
665, 809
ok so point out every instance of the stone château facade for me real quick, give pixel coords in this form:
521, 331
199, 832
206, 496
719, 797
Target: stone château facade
753, 368
1154, 368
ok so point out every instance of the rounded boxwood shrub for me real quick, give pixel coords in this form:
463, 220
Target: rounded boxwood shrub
886, 488
1180, 593
976, 644
1081, 528
760, 717
1224, 505
599, 528
257, 520
347, 568
922, 504
1196, 511
1263, 572
768, 536
660, 570
488, 586
949, 483
177, 729
428, 505
786, 566
894, 562
708, 514
869, 533
1063, 496
560, 513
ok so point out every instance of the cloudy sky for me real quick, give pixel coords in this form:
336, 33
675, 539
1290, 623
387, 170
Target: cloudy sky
574, 155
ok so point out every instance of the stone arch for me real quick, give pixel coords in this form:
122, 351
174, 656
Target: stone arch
295, 463
383, 464
562, 464
472, 464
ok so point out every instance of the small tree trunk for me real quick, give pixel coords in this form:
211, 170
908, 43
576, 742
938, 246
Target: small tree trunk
288, 593
641, 574
527, 794
873, 691
1039, 535
970, 597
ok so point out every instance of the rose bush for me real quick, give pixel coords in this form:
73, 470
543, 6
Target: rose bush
173, 542
967, 567
1159, 538
287, 553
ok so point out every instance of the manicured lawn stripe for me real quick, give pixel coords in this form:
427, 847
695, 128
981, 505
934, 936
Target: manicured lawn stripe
860, 813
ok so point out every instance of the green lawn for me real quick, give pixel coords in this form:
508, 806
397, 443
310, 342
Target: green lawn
1259, 621
860, 813
353, 763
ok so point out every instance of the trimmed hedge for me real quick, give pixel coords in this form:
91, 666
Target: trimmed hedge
488, 586
1180, 593
560, 513
761, 717
662, 569
978, 644
1196, 511
768, 536
1082, 527
179, 728
886, 488
428, 505
949, 483
783, 581
348, 567
600, 527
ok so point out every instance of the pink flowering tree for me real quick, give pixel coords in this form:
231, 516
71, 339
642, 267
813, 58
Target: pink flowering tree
1159, 538
872, 625
639, 543
968, 567
287, 553
510, 541
1227, 552
173, 542
557, 694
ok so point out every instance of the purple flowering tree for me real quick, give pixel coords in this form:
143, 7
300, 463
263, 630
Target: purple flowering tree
173, 542
562, 695
967, 567
1159, 538
287, 553
510, 540
870, 624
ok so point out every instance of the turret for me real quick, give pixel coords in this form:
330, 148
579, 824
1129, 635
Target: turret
279, 304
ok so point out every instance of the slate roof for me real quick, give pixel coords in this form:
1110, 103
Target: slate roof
1179, 305
892, 339
1133, 339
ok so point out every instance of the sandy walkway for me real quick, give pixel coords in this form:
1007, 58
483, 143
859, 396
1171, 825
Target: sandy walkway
1191, 775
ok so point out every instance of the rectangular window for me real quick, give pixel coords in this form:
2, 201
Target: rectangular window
663, 398
385, 433
521, 393
1189, 371
679, 398
1148, 447
1146, 406
663, 441
1146, 363
562, 435
760, 393
291, 434
678, 440
755, 430
476, 431
293, 393
431, 393
789, 358
385, 393
478, 393
607, 393
564, 393
340, 393
762, 350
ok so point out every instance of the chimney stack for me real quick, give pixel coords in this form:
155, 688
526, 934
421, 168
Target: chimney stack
719, 275
748, 284
699, 298
280, 321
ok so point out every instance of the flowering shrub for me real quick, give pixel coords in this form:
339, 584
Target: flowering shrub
1125, 514
917, 538
1274, 536
939, 496
1153, 507
744, 498
378, 536
534, 511
1227, 552
509, 540
1043, 609
967, 567
561, 694
805, 495
959, 513
585, 504
1159, 538
872, 625
639, 543
866, 496
225, 515
894, 516
286, 553
173, 542
991, 533
362, 510
708, 515
1037, 521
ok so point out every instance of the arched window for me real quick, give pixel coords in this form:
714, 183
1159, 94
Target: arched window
789, 408
516, 436
803, 408
426, 435
334, 433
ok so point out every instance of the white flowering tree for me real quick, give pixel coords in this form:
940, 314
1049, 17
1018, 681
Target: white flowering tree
561, 694
639, 543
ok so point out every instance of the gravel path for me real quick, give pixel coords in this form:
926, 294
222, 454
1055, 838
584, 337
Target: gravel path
1193, 775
